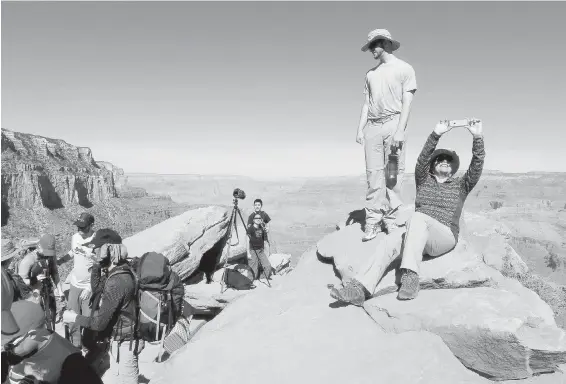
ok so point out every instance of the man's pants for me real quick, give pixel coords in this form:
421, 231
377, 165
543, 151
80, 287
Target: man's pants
80, 307
378, 137
116, 363
425, 235
258, 256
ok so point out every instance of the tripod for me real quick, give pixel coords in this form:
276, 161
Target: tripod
232, 223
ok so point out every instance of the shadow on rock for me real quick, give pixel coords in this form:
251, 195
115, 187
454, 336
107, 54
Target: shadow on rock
82, 194
49, 196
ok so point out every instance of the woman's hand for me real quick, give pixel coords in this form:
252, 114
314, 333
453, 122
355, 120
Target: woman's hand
475, 127
442, 127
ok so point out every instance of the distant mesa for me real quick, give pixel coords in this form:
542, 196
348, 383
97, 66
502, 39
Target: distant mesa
39, 171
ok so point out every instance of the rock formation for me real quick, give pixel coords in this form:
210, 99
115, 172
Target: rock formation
183, 239
474, 324
44, 172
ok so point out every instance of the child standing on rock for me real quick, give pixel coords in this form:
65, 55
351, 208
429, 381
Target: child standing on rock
257, 248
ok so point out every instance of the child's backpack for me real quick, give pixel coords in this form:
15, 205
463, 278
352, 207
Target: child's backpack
240, 277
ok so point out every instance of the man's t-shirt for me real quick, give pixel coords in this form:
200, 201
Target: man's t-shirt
83, 260
265, 217
257, 237
386, 84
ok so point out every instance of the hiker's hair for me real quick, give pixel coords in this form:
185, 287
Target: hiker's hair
258, 201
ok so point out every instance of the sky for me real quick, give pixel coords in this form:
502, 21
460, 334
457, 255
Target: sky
275, 89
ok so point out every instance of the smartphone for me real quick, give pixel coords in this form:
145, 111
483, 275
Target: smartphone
458, 123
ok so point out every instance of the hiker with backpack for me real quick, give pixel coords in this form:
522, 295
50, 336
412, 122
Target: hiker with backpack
32, 353
114, 349
131, 303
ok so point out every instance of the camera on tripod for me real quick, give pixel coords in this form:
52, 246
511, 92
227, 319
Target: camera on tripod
239, 194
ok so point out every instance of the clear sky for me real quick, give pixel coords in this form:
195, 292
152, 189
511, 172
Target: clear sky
275, 89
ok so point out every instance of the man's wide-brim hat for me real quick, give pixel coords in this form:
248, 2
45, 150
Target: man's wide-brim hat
455, 162
378, 34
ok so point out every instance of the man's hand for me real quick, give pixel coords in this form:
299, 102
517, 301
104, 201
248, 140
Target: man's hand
442, 127
475, 127
41, 277
398, 139
85, 294
69, 316
360, 137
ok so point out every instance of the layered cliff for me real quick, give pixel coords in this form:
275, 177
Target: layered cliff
43, 172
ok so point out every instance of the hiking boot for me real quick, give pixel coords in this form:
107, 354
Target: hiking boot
353, 292
409, 285
371, 231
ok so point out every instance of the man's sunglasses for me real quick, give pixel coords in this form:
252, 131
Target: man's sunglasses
257, 218
374, 44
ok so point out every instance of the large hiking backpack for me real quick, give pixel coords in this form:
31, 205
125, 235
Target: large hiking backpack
160, 294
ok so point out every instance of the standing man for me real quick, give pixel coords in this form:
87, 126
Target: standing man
389, 90
79, 278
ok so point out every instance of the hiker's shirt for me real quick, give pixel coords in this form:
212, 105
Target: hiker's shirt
114, 318
83, 260
257, 237
444, 201
385, 85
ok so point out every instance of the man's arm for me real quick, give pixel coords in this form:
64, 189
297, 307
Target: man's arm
407, 101
475, 169
25, 267
112, 297
363, 116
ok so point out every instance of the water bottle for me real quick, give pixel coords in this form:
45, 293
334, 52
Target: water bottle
392, 169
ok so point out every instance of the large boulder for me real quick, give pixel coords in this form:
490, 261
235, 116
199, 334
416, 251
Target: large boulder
292, 333
183, 239
491, 331
473, 307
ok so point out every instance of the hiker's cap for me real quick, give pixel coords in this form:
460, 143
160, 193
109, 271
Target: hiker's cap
47, 245
104, 236
28, 316
9, 250
84, 220
9, 324
454, 162
377, 34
